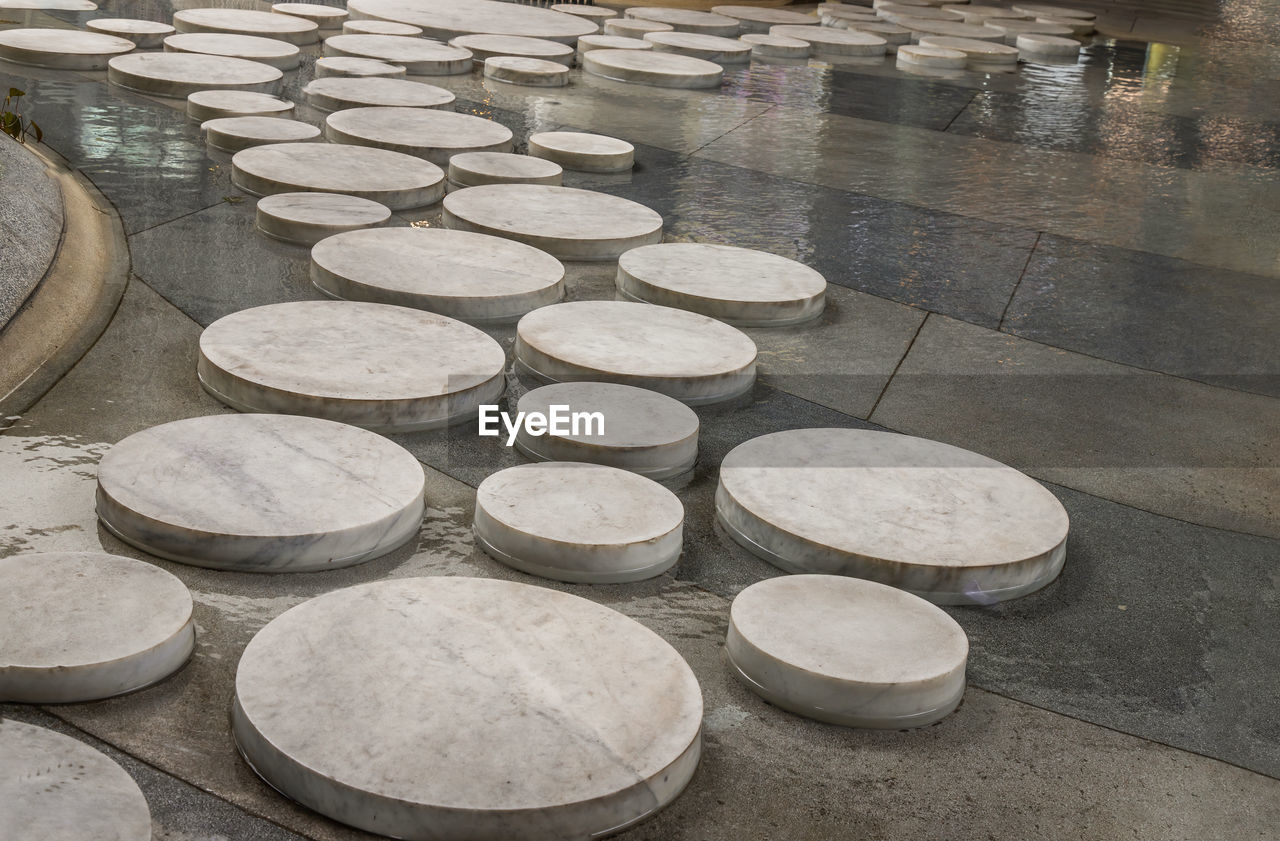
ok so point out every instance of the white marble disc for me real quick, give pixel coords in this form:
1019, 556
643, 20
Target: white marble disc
488, 46
686, 20
944, 28
231, 134
338, 92
422, 132
252, 47
307, 218
684, 355
595, 14
939, 57
644, 431
359, 68
380, 27
587, 43
146, 34
445, 19
1011, 29
503, 710
80, 626
49, 5
1038, 10
632, 28
893, 11
181, 74
944, 523
708, 47
294, 30
532, 72
981, 14
649, 67
472, 277
567, 223
398, 181
776, 46
1038, 44
215, 104
859, 14
583, 152
55, 788
1076, 25
738, 286
577, 522
63, 49
418, 56
985, 52
893, 34
382, 367
847, 651
475, 169
758, 19
840, 42
325, 17
261, 493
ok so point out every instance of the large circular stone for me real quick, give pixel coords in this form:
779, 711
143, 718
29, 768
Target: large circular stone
595, 14
337, 93
325, 17
708, 47
213, 105
925, 28
445, 19
346, 66
487, 46
80, 626
824, 40
894, 11
231, 134
491, 713
632, 28
776, 46
381, 367
379, 27
681, 354
146, 34
982, 52
474, 169
64, 49
685, 20
472, 277
261, 493
307, 218
533, 72
893, 34
422, 132
54, 788
418, 56
757, 19
944, 523
650, 67
398, 181
847, 651
266, 50
935, 57
644, 431
583, 152
294, 30
587, 43
1040, 10
182, 74
1013, 28
1037, 44
567, 223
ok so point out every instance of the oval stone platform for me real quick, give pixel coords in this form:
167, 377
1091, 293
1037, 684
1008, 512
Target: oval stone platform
81, 626
385, 368
1011, 29
532, 72
380, 27
398, 181
445, 19
587, 43
261, 493
708, 47
921, 29
493, 720
846, 651
632, 28
687, 20
895, 35
644, 431
758, 19
583, 152
145, 34
483, 47
595, 14
62, 49
179, 75
933, 57
664, 70
893, 11
418, 56
325, 17
776, 46
568, 224
583, 523
245, 22
1036, 44
1078, 26
824, 40
979, 52
684, 355
307, 218
251, 47
472, 277
231, 134
475, 169
947, 524
1040, 10
339, 92
346, 66
216, 104
422, 132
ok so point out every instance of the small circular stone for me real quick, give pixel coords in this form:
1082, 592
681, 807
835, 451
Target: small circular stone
568, 224
826, 41
945, 28
1038, 10
984, 52
738, 286
381, 367
81, 626
380, 27
63, 49
358, 68
840, 16
182, 74
980, 14
472, 277
583, 152
245, 22
644, 431
947, 524
595, 14
847, 652
146, 34
630, 28
55, 788
474, 169
325, 17
1011, 29
445, 19
893, 11
758, 19
491, 712
777, 46
307, 218
212, 105
532, 72
395, 180
268, 51
261, 493
708, 47
487, 46
340, 92
684, 355
418, 56
1048, 45
664, 70
587, 43
938, 57
684, 20
422, 132
231, 134
1077, 26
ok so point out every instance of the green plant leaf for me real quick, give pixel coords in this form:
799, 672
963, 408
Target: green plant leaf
14, 92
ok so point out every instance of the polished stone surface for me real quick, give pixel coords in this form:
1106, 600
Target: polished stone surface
686, 20
81, 626
475, 169
483, 47
379, 27
346, 66
1078, 26
578, 522
531, 72
595, 14
63, 49
231, 134
325, 17
216, 104
510, 724
940, 57
777, 46
245, 22
445, 19
583, 152
1011, 29
268, 51
894, 35
147, 34
895, 11
708, 47
666, 70
398, 181
382, 367
587, 43
307, 218
834, 42
179, 75
1037, 9
631, 28
758, 19
335, 93
425, 133
1039, 44
984, 52
921, 28
418, 56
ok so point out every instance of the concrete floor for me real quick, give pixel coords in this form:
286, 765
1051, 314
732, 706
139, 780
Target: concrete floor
1071, 269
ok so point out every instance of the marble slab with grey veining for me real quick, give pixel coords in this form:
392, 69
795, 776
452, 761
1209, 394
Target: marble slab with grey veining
268, 51
445, 19
758, 19
307, 218
325, 17
62, 49
293, 30
358, 68
231, 134
339, 92
215, 104
422, 132
587, 43
418, 56
484, 47
371, 26
531, 72
776, 46
834, 42
396, 180
582, 151
688, 20
179, 75
633, 28
146, 34
708, 47
475, 169
650, 67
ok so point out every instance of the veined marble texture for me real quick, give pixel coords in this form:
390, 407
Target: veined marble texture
776, 46
179, 75
582, 151
445, 19
986, 52
587, 43
216, 104
380, 27
839, 42
307, 218
418, 56
146, 34
80, 626
1041, 44
650, 67
337, 93
396, 180
941, 58
633, 28
484, 47
710, 47
949, 525
758, 20
268, 51
358, 68
325, 17
422, 132
688, 20
292, 30
1038, 10
231, 134
503, 710
532, 72
64, 49
474, 169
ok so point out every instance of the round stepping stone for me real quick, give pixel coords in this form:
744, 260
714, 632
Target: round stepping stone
474, 169
840, 16
1038, 10
325, 17
81, 626
566, 223
738, 286
181, 74
472, 277
418, 56
776, 46
421, 132
708, 47
1076, 25
356, 68
644, 431
1011, 29
532, 72
681, 354
944, 28
385, 368
1048, 45
587, 43
847, 652
231, 134
757, 19
488, 46
583, 152
286, 28
595, 14
380, 27
939, 58
269, 51
445, 19
511, 721
630, 28
145, 34
895, 35
55, 788
891, 12
685, 20
944, 523
840, 42
398, 181
980, 14
663, 70
981, 52
307, 218
261, 492
336, 93
583, 523
212, 105
62, 49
